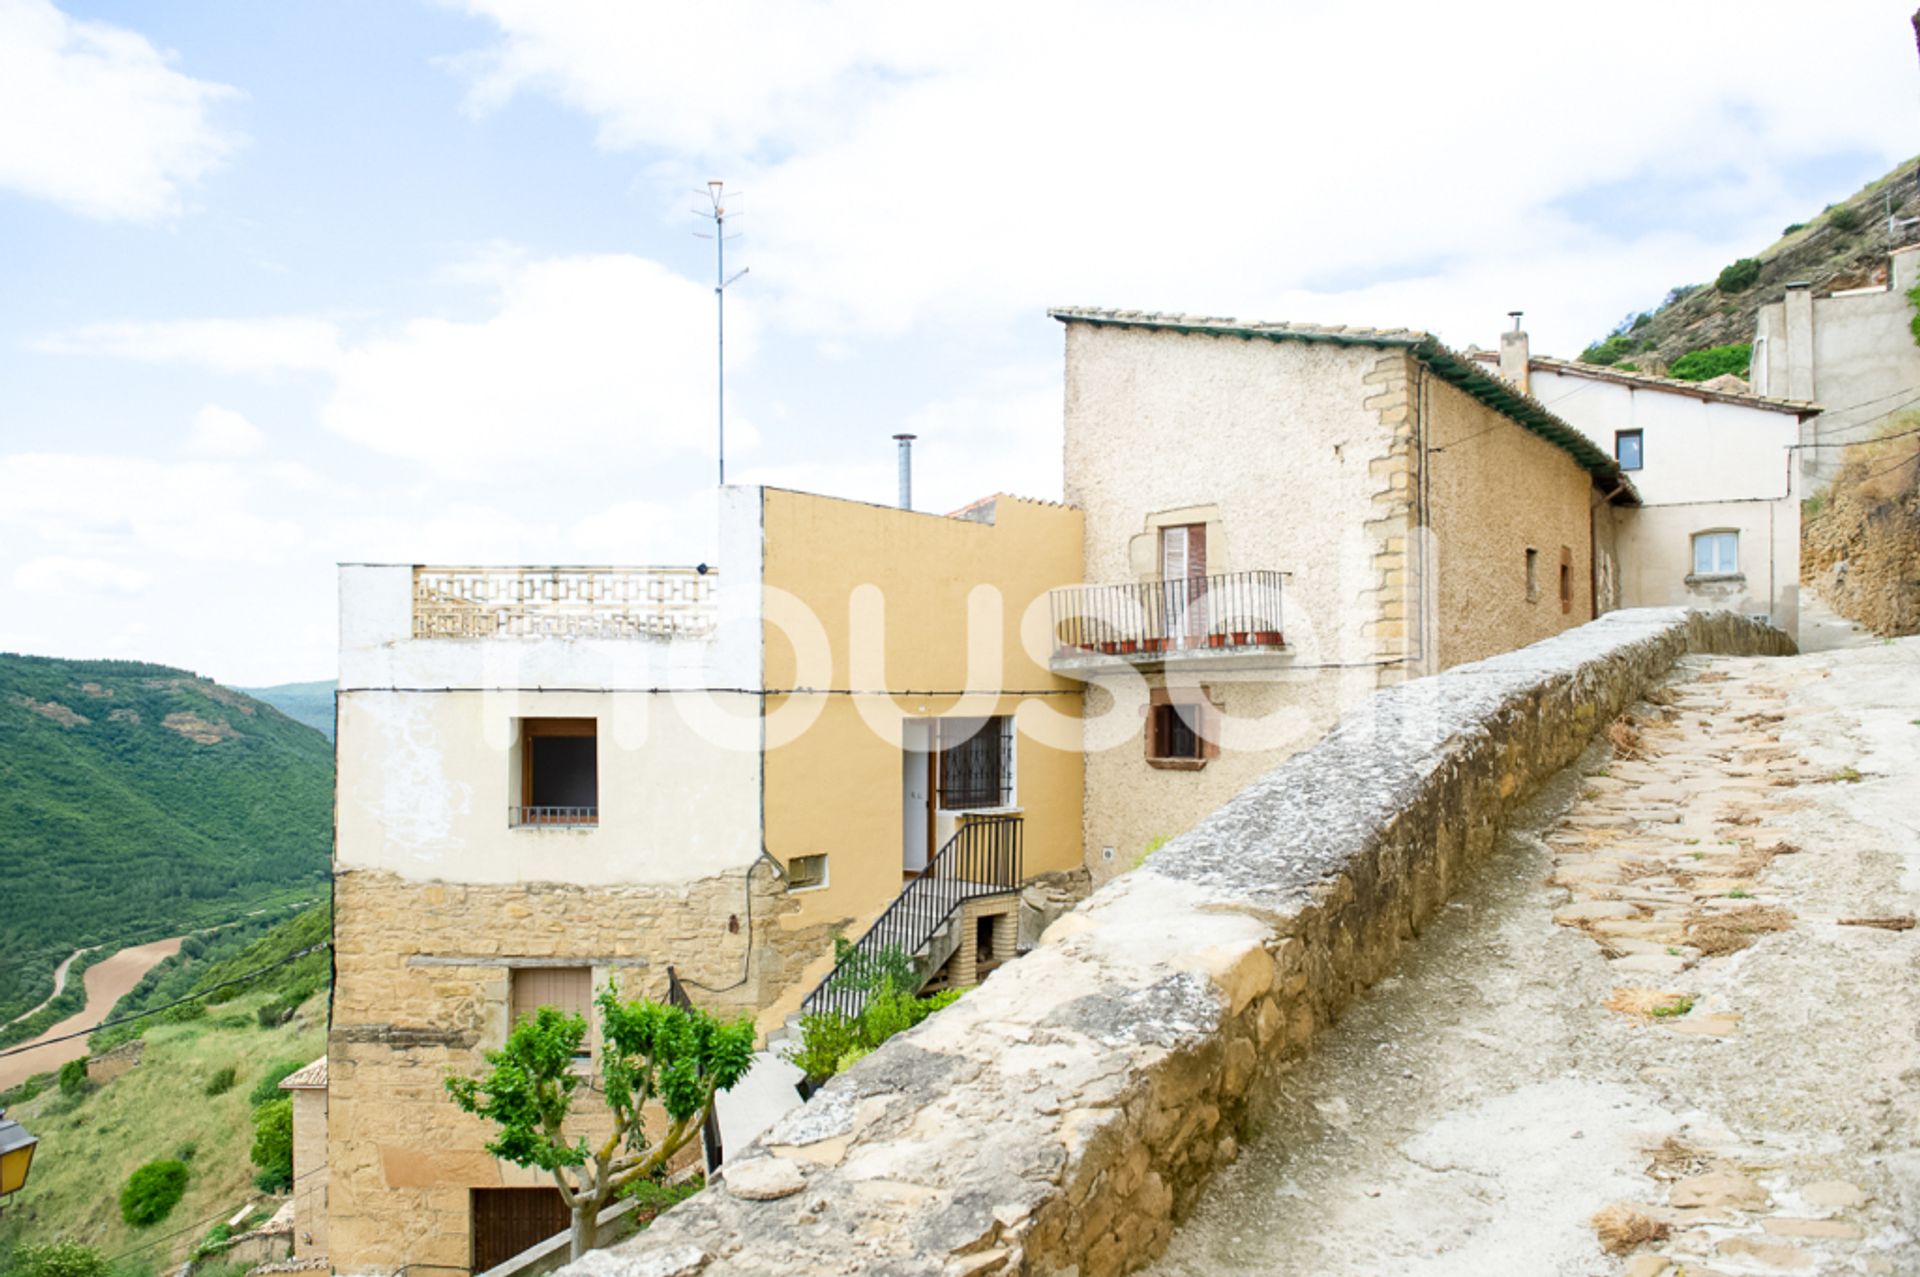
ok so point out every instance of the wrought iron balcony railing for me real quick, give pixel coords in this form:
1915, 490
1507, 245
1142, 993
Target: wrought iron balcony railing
552, 602
521, 817
1229, 610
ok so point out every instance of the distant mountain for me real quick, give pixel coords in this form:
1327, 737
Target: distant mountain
137, 800
309, 703
1844, 245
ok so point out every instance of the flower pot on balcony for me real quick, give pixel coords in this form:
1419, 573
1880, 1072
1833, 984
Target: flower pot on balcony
1216, 640
1267, 638
1128, 646
1110, 647
1156, 645
1239, 638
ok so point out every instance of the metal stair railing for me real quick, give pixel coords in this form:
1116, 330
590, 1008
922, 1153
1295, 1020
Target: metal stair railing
983, 858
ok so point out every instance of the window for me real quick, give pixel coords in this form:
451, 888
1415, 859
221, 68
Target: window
1180, 729
1533, 575
559, 772
806, 871
1566, 578
1628, 448
976, 763
568, 990
1716, 553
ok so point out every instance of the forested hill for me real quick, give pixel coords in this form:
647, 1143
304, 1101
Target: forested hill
309, 703
136, 800
1844, 245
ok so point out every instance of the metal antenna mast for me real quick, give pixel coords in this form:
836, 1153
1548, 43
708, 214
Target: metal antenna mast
718, 215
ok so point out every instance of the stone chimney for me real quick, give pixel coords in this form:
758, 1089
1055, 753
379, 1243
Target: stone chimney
1799, 361
1514, 355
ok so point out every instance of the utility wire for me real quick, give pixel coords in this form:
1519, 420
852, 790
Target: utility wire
191, 997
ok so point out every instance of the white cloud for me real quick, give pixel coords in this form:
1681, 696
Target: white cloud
222, 432
58, 575
257, 347
1224, 158
119, 507
97, 120
584, 362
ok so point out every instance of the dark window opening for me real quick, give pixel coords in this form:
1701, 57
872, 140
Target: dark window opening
1628, 449
1174, 735
1533, 574
559, 772
976, 763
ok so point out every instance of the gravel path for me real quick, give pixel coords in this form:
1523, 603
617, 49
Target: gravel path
1652, 1037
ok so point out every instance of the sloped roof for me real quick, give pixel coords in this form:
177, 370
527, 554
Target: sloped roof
1717, 390
1449, 365
312, 1077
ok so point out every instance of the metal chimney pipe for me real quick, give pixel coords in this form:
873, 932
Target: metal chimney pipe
906, 470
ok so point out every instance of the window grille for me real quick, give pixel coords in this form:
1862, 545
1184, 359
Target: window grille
976, 770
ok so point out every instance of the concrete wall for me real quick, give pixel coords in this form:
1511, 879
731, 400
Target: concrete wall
310, 1171
1495, 490
1854, 354
1063, 1116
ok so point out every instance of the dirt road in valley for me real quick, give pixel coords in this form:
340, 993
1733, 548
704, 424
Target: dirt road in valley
59, 983
1673, 1027
106, 983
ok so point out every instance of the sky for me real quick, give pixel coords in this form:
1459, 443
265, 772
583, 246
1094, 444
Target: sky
373, 280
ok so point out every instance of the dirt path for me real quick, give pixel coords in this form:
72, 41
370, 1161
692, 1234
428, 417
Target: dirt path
59, 983
1653, 1022
106, 982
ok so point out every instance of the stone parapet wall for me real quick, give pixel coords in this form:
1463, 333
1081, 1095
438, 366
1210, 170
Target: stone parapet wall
1062, 1116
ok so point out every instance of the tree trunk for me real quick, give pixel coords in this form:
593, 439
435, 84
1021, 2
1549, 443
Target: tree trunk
586, 1217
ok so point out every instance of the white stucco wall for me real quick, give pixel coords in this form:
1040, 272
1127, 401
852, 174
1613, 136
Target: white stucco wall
426, 780
1656, 558
1853, 354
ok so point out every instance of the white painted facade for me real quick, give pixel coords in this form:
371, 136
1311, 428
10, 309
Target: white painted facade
1711, 462
1853, 352
429, 740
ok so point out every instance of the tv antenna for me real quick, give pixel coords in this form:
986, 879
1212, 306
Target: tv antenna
717, 214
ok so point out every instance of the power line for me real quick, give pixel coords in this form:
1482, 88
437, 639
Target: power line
191, 997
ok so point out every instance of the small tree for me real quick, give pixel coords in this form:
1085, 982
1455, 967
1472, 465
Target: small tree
151, 1192
679, 1058
273, 1146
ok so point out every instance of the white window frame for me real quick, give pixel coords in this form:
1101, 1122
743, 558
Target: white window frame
1714, 541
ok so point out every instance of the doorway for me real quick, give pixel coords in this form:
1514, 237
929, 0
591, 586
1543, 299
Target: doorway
916, 795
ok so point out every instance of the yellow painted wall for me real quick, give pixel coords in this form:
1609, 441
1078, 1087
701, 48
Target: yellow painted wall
836, 787
1494, 489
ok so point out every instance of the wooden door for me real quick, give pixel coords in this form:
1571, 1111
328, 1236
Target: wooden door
1183, 573
507, 1221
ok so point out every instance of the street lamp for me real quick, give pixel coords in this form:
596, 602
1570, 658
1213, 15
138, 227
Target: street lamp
16, 1156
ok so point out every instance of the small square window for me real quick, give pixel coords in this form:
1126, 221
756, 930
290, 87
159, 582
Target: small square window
568, 990
1716, 553
1173, 735
559, 772
1629, 448
1179, 731
806, 871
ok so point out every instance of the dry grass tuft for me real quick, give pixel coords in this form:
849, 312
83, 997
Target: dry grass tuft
1621, 1227
1645, 1004
1732, 930
1898, 922
1625, 739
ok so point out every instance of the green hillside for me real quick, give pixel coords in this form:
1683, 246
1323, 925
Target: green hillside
309, 703
1844, 245
137, 801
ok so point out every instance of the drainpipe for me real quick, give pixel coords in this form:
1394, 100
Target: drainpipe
906, 470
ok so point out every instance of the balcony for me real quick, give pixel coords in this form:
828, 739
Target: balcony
1232, 620
556, 602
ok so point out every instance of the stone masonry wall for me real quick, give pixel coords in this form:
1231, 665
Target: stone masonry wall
422, 987
1061, 1117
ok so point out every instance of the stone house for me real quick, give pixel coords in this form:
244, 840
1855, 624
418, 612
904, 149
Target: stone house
1718, 524
1280, 520
1852, 351
307, 1088
552, 779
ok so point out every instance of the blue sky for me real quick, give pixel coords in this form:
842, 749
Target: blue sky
294, 284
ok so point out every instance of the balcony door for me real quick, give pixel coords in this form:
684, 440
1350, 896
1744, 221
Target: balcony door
916, 795
1183, 572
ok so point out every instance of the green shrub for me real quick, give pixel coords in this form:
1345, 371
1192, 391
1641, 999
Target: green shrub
1739, 277
268, 1087
57, 1259
273, 1146
213, 1243
652, 1197
1610, 351
278, 1010
1795, 228
222, 1080
1627, 365
1702, 365
73, 1079
186, 1151
151, 1192
1845, 219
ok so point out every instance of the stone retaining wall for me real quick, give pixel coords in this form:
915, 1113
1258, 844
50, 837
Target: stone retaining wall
1061, 1117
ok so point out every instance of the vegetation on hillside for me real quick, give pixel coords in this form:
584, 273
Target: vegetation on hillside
1843, 246
138, 801
93, 1141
